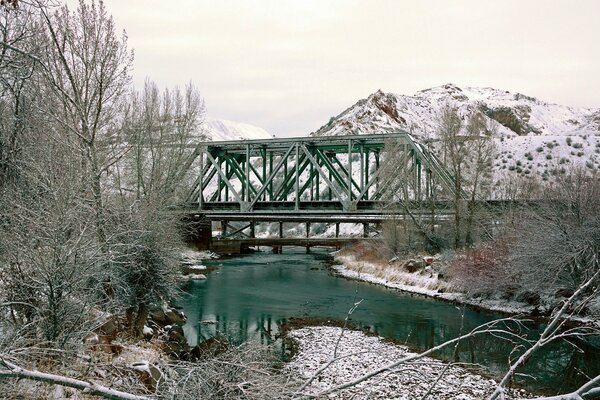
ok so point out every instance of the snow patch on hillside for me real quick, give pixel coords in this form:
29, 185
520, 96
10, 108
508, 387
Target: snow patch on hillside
532, 137
222, 129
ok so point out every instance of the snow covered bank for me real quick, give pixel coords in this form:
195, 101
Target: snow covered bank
425, 282
362, 354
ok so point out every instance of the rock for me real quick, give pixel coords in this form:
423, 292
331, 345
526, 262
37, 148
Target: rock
110, 327
193, 269
104, 344
563, 292
91, 339
428, 260
148, 373
158, 317
175, 333
174, 317
177, 349
147, 332
210, 347
531, 298
197, 277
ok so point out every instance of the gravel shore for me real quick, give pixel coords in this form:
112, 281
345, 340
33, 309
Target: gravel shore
316, 347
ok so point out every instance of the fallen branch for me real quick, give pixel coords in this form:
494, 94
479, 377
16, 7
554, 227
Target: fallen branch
14, 371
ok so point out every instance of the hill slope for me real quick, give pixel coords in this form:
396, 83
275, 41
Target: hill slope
531, 135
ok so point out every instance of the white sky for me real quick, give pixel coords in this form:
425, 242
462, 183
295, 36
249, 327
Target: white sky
289, 65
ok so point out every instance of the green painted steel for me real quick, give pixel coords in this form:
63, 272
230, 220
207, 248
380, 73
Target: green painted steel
345, 173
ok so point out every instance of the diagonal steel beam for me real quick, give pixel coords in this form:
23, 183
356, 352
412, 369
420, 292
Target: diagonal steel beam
272, 175
323, 174
236, 195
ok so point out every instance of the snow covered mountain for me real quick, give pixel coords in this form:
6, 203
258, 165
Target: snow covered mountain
222, 129
531, 135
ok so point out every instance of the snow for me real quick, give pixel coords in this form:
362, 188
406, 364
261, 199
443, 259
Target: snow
362, 354
189, 255
539, 123
147, 331
196, 277
420, 283
222, 129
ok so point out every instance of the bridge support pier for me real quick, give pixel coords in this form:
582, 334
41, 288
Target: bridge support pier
280, 230
252, 229
337, 229
224, 228
366, 229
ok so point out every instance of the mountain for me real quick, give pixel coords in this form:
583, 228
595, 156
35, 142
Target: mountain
222, 129
531, 135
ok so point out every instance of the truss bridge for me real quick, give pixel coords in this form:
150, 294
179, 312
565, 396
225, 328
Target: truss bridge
355, 179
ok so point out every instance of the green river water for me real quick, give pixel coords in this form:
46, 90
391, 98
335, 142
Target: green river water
248, 297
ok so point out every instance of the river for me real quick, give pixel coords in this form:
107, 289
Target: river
247, 297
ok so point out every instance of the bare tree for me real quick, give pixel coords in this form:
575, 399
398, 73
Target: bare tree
481, 151
86, 74
558, 238
455, 151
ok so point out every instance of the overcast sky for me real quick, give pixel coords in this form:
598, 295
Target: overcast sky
289, 65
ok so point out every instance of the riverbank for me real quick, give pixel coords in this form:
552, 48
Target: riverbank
424, 281
359, 354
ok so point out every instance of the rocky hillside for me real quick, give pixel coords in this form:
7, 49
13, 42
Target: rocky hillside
532, 136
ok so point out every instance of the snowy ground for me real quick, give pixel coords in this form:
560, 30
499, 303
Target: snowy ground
316, 347
426, 284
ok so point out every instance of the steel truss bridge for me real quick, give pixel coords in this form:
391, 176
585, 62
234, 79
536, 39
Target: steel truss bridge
315, 179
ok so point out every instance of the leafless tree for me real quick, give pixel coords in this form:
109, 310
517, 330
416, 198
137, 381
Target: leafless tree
455, 152
481, 151
86, 73
558, 237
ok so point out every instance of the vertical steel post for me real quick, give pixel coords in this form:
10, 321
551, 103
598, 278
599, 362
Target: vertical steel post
220, 181
247, 173
362, 169
200, 194
377, 169
367, 172
349, 170
226, 186
297, 186
318, 177
271, 174
264, 169
310, 176
330, 191
285, 173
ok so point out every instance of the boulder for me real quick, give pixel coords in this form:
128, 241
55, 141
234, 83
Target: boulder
210, 347
174, 317
149, 374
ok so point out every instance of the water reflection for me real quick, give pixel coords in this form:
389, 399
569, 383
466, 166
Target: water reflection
248, 298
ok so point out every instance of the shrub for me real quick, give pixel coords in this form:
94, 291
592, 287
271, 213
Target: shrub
484, 271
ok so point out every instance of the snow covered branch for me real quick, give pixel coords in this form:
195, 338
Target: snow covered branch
11, 370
